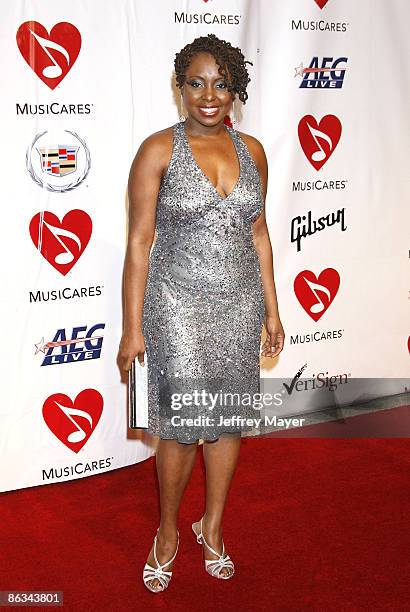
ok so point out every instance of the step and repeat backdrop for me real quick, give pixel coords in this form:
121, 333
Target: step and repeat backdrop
84, 83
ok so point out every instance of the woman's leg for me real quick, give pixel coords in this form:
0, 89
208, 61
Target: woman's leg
221, 458
174, 463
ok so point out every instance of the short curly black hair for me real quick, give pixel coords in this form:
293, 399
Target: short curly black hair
226, 56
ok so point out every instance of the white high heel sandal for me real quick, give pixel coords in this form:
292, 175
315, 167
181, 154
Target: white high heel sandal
150, 573
214, 566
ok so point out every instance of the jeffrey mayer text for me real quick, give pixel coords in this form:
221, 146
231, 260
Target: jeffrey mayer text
208, 421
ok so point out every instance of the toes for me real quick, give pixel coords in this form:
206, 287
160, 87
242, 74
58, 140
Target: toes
155, 584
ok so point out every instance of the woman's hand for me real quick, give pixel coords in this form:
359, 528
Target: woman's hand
275, 337
132, 345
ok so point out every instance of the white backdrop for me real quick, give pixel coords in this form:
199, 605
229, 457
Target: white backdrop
88, 91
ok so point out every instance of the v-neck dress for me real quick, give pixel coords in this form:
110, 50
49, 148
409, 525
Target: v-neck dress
204, 304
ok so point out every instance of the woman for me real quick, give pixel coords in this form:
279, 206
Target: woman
197, 303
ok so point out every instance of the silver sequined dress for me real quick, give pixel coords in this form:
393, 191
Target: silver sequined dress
204, 305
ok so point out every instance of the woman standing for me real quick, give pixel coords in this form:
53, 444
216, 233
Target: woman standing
197, 302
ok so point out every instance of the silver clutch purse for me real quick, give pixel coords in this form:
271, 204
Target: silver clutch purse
138, 394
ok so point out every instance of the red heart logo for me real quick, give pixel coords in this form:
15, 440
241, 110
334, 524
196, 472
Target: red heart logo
51, 56
61, 243
321, 3
316, 294
73, 422
319, 140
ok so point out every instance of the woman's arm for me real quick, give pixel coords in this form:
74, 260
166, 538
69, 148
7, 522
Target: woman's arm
143, 187
275, 333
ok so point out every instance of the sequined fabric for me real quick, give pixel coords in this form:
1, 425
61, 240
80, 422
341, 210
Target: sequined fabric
204, 306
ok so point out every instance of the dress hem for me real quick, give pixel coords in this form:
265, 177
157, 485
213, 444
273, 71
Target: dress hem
204, 439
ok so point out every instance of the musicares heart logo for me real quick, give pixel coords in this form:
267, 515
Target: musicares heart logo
51, 56
321, 3
61, 243
73, 422
315, 294
319, 140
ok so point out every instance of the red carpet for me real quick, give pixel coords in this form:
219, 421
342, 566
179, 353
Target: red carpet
312, 524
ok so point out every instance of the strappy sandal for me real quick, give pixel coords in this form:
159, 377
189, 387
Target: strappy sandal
150, 573
214, 566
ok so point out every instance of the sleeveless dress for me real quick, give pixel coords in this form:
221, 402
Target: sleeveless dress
204, 304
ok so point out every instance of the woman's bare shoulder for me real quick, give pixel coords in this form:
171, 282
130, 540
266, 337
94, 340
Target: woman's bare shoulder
255, 148
156, 149
253, 143
158, 142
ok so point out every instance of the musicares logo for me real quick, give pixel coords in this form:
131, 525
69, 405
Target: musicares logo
319, 140
73, 422
61, 243
307, 288
77, 469
39, 296
207, 18
50, 56
306, 25
321, 3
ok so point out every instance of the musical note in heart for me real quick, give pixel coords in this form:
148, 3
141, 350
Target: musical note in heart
319, 140
318, 136
316, 294
321, 3
79, 434
67, 256
61, 414
53, 71
51, 56
61, 243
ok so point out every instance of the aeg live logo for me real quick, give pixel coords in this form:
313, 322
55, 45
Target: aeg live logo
81, 343
327, 73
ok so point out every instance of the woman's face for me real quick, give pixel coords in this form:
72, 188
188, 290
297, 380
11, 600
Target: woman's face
205, 94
